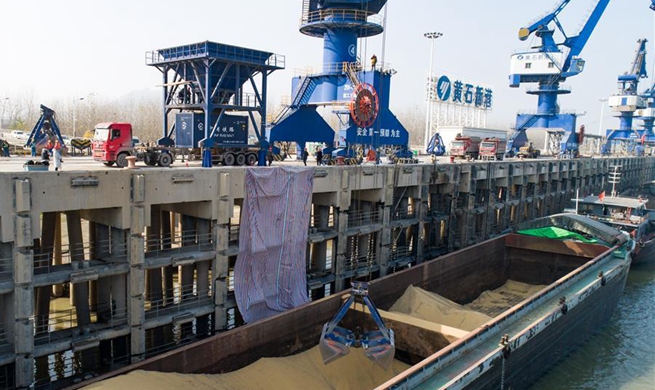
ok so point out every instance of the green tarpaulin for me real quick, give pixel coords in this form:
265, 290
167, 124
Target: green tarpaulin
556, 233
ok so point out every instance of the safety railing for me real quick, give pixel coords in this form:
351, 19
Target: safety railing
340, 68
181, 241
6, 268
184, 298
210, 49
401, 214
337, 16
4, 340
364, 264
233, 234
47, 326
45, 258
401, 252
179, 335
315, 220
7, 375
362, 218
246, 99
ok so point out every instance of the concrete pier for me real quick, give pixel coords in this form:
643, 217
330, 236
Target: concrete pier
149, 253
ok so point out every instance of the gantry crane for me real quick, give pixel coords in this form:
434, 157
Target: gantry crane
548, 66
627, 102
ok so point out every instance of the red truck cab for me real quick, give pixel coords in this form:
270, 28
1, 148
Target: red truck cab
112, 140
465, 147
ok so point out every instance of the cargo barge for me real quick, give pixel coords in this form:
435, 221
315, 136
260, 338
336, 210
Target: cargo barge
583, 282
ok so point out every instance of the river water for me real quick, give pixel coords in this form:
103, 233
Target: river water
622, 355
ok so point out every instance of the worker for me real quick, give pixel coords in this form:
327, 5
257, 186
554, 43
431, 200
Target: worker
371, 156
33, 149
269, 156
305, 155
56, 155
5, 148
374, 61
319, 156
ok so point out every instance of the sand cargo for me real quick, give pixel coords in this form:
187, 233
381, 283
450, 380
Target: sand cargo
577, 287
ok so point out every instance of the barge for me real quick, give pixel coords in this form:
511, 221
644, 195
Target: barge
582, 284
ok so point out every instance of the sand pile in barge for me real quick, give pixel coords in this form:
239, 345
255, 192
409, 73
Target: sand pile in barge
428, 306
354, 371
303, 371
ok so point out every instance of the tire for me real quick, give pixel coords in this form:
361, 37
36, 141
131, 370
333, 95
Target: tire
121, 160
108, 163
241, 159
165, 160
251, 159
228, 159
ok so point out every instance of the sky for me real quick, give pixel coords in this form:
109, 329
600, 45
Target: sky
74, 48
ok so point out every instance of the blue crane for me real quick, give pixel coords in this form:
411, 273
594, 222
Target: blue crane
359, 94
627, 102
548, 66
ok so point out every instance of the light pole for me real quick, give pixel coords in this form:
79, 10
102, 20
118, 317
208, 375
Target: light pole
75, 114
602, 111
432, 36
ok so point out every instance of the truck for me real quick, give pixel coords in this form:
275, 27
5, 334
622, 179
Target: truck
465, 147
230, 143
493, 148
113, 144
528, 151
449, 133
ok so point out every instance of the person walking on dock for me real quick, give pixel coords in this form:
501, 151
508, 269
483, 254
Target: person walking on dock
305, 155
56, 155
374, 61
5, 148
319, 157
269, 156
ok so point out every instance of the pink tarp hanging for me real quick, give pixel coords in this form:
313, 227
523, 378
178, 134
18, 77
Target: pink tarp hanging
270, 271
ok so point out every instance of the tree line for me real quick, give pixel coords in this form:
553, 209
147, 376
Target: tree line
143, 111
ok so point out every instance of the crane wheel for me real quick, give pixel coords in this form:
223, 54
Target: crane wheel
241, 159
121, 160
165, 160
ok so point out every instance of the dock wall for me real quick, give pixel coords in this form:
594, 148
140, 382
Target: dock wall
143, 259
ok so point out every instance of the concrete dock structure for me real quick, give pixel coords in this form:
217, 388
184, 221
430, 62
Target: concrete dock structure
144, 257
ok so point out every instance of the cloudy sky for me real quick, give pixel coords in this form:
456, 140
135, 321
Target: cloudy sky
68, 48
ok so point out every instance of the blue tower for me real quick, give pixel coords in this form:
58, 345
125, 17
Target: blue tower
214, 90
359, 93
548, 66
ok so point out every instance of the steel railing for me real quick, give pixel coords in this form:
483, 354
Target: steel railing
341, 16
158, 246
360, 218
6, 268
361, 263
409, 213
46, 332
315, 221
204, 49
184, 298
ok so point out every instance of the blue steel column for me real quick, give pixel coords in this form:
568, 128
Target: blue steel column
207, 105
263, 144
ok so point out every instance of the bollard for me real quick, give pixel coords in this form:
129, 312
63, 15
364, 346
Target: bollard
452, 159
340, 160
131, 162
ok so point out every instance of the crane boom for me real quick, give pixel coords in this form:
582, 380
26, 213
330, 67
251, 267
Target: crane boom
525, 32
578, 42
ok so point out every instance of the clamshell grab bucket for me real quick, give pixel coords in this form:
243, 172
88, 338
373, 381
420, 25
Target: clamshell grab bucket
336, 341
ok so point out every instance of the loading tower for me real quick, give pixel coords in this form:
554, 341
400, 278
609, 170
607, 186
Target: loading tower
358, 93
205, 84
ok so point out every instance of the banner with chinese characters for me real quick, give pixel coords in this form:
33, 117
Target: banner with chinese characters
461, 92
